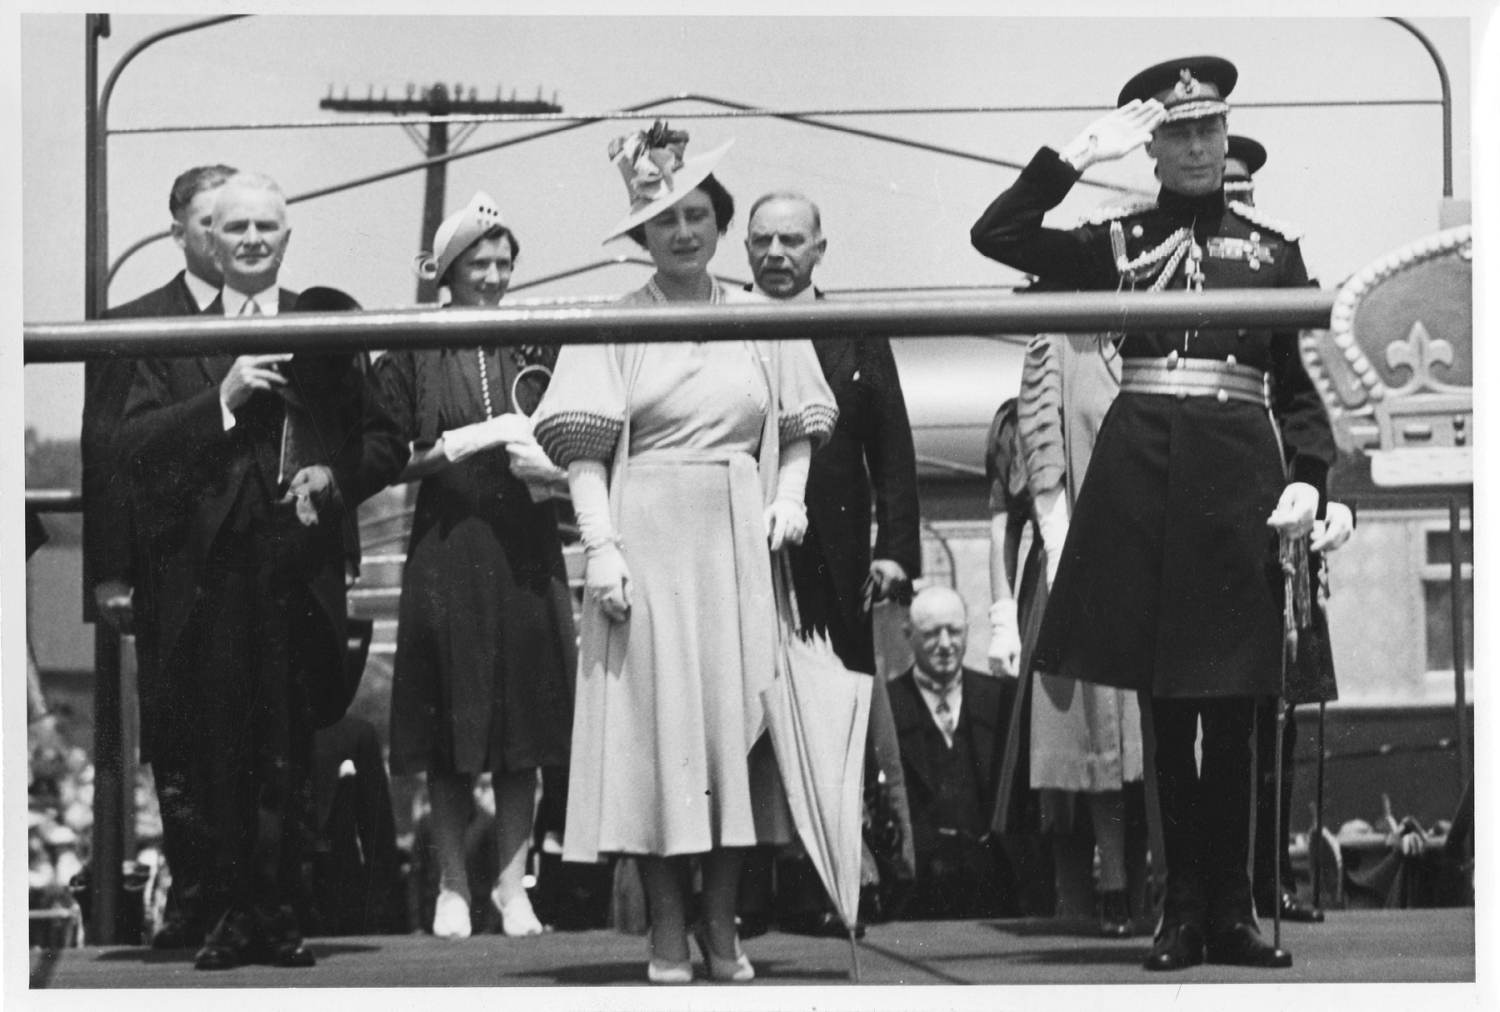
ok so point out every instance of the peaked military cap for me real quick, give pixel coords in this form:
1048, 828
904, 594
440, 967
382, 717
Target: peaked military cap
1193, 87
1248, 153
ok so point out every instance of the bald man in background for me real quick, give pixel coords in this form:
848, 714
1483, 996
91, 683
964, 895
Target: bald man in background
951, 723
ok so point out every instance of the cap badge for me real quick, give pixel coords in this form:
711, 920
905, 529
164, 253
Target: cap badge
1188, 86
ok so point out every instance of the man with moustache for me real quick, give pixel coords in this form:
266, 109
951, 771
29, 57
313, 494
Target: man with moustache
244, 518
836, 576
1168, 581
109, 552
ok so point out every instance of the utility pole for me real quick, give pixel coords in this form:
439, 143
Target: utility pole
437, 100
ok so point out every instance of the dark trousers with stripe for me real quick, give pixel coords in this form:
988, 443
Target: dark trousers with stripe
1205, 811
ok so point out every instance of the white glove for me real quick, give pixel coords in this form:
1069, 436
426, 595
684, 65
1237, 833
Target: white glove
1115, 134
465, 441
786, 523
786, 517
1005, 638
606, 580
1330, 533
1052, 522
530, 463
1295, 511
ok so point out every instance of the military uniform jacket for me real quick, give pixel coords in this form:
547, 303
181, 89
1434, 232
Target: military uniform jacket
1169, 578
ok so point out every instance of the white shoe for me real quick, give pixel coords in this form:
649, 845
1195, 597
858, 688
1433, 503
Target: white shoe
517, 919
450, 917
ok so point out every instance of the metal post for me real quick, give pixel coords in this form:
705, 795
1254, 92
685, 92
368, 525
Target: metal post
107, 850
1447, 90
107, 855
436, 188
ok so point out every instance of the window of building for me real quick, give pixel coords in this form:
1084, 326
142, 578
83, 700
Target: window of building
1437, 593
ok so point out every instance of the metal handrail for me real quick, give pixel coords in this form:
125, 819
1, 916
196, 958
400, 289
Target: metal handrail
479, 118
612, 323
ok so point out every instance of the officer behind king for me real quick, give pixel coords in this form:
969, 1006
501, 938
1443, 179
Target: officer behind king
1169, 582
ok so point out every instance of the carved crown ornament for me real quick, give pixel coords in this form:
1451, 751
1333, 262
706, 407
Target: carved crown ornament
1395, 368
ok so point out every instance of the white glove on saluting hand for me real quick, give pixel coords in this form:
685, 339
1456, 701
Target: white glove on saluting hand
1005, 638
1115, 134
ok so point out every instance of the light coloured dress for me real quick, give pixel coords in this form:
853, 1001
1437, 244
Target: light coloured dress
1084, 736
668, 702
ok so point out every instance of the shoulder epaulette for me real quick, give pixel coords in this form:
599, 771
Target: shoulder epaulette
1115, 210
1257, 217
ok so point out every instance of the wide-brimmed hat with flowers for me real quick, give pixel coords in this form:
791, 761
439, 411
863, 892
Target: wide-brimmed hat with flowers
457, 233
656, 173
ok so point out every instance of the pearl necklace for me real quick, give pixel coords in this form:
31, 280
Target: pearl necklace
484, 384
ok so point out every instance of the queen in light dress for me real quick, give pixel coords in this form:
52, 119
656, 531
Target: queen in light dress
685, 461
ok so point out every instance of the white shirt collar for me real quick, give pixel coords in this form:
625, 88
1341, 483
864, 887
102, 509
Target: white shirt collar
808, 294
234, 302
933, 697
203, 292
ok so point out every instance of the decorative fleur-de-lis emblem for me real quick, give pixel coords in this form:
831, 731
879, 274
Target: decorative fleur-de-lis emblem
1188, 86
1418, 354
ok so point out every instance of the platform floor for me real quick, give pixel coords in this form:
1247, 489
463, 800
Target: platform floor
1417, 946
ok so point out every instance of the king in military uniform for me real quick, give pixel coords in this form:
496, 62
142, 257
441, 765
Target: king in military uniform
1168, 581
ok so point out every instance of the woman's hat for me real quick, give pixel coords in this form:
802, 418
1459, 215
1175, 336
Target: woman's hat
457, 233
656, 174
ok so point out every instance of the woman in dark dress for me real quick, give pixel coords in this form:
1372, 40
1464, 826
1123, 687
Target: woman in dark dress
485, 651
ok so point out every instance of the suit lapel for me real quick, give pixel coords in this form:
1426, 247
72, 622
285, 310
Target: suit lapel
214, 367
914, 724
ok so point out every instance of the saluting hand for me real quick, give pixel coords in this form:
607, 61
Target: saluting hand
1115, 134
249, 374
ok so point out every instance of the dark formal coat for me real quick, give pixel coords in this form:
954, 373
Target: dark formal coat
107, 527
188, 474
985, 714
871, 448
1169, 579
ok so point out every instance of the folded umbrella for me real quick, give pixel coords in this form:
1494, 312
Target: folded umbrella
818, 712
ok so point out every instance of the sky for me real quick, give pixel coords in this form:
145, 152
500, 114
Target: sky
1358, 180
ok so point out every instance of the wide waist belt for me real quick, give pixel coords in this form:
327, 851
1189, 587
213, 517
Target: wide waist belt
1194, 377
690, 455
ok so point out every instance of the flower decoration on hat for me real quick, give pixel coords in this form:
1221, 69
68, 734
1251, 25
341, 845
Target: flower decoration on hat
657, 172
457, 233
647, 159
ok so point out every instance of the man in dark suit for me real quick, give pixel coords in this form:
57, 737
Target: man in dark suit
243, 469
836, 576
108, 531
951, 722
